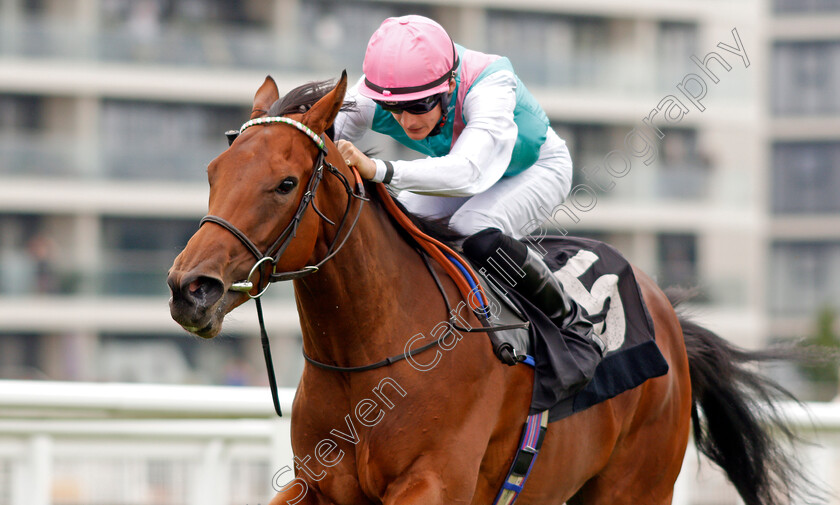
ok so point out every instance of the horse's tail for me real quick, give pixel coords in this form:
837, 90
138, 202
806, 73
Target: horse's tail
737, 419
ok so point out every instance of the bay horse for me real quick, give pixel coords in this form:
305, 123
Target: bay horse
398, 435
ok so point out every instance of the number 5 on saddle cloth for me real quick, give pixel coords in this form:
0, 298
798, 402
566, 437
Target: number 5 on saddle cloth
602, 283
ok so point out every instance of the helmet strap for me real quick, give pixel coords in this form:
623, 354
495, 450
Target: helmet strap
444, 114
438, 127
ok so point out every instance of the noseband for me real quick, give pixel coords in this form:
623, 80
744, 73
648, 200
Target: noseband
274, 252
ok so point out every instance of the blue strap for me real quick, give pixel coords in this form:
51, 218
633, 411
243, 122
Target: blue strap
463, 270
526, 457
512, 487
484, 309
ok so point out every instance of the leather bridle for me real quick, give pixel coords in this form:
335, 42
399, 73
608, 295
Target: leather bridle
275, 251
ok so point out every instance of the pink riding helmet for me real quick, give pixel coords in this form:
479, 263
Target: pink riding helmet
408, 58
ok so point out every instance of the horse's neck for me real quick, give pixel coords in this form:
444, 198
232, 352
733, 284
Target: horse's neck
353, 310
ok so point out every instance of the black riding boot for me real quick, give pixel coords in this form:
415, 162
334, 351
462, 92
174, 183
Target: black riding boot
533, 279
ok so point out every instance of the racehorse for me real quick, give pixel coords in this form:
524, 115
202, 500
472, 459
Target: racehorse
399, 435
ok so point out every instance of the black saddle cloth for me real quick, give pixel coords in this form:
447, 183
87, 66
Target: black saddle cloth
601, 281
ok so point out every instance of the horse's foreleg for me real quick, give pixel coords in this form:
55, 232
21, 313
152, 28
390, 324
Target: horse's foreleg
432, 481
415, 489
432, 487
299, 493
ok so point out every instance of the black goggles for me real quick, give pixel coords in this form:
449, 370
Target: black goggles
416, 107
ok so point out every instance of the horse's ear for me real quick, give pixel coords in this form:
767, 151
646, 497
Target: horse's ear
265, 97
323, 113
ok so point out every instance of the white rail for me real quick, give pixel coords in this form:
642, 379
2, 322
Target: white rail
97, 444
91, 444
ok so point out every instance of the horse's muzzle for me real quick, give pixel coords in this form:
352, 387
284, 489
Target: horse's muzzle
194, 301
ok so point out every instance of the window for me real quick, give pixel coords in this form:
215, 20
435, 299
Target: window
522, 38
138, 253
24, 147
806, 177
677, 255
592, 66
21, 112
19, 356
805, 6
148, 140
675, 44
679, 147
337, 31
186, 11
194, 32
29, 257
805, 78
683, 171
548, 49
803, 277
588, 146
588, 143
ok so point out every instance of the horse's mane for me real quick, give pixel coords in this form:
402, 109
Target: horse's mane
302, 98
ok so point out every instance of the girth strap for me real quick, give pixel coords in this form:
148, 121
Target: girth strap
526, 456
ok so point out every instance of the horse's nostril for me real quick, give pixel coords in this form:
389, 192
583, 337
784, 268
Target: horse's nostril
195, 286
204, 290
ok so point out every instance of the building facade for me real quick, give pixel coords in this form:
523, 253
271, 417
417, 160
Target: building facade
705, 136
803, 147
111, 110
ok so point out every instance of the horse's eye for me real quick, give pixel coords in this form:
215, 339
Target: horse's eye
287, 185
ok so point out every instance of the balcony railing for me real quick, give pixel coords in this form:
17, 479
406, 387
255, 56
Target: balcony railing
40, 154
224, 46
668, 183
50, 155
327, 50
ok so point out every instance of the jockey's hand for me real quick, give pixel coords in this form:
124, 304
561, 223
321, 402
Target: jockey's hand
355, 158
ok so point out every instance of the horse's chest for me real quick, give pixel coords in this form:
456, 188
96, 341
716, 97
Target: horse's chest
347, 447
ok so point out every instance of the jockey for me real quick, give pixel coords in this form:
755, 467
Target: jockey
493, 160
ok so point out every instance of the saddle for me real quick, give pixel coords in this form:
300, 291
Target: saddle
601, 281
